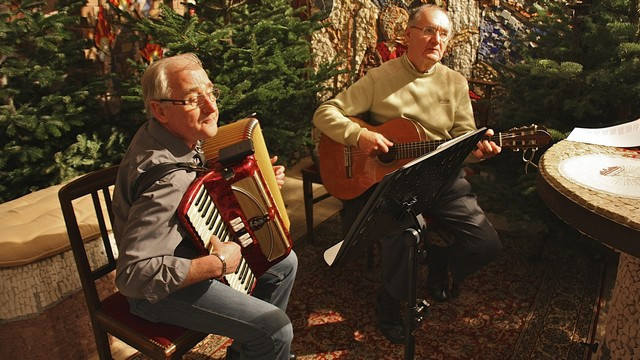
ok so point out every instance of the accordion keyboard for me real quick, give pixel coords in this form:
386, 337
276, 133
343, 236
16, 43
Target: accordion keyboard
206, 220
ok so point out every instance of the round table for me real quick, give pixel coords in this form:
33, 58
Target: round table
609, 216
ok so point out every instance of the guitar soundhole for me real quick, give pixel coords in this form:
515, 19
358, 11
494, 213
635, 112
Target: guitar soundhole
388, 157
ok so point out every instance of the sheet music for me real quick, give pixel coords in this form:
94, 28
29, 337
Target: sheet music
331, 253
623, 135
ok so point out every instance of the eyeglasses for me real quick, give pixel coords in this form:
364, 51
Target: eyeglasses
196, 101
431, 32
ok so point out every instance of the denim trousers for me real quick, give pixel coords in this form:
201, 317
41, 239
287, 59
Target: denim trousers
257, 323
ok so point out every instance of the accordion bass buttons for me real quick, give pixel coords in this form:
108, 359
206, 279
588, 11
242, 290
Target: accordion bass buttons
243, 236
245, 240
237, 224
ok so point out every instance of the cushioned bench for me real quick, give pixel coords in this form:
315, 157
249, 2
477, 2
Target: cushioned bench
33, 227
42, 309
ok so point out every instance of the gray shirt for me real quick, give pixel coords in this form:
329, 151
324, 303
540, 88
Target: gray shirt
147, 230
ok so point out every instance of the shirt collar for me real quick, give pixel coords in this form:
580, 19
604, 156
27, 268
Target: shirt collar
172, 143
409, 65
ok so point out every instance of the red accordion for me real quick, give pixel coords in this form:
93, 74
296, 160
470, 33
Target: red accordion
238, 200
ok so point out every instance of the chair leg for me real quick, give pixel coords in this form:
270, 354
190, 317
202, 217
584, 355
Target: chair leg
307, 189
102, 344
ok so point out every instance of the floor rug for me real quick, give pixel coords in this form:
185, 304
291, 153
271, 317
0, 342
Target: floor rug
515, 308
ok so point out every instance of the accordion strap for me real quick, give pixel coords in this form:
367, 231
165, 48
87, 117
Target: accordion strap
159, 171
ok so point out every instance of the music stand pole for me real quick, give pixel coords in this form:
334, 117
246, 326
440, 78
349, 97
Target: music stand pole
412, 236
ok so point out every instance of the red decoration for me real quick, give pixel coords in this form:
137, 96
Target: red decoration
474, 96
151, 52
387, 54
122, 5
103, 37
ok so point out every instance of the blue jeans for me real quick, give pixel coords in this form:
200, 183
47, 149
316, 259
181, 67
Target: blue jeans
258, 323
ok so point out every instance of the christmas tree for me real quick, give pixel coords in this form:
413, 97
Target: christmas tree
582, 70
65, 113
257, 52
50, 114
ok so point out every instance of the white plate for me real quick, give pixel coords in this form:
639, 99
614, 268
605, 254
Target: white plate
616, 175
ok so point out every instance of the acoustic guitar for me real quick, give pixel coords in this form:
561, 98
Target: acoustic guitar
347, 172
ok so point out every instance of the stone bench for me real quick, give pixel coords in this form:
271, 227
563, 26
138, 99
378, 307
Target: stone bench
42, 308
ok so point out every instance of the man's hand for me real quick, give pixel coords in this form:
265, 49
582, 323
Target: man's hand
229, 250
278, 170
373, 143
207, 267
485, 148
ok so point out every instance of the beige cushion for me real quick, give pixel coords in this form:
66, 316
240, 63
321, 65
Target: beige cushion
32, 227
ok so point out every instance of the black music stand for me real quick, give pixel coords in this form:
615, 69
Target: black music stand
396, 203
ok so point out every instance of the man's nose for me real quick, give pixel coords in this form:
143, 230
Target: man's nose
435, 39
210, 105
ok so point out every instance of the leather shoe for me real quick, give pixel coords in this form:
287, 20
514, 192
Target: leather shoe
440, 295
292, 356
389, 317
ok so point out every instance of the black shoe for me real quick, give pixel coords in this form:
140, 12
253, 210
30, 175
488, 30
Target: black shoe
389, 317
232, 354
440, 295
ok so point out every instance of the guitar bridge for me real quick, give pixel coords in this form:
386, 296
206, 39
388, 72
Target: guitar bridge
348, 165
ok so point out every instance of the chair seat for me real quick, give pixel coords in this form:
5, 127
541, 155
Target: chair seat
159, 337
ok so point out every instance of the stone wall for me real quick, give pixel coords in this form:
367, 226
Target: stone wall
466, 18
43, 314
352, 29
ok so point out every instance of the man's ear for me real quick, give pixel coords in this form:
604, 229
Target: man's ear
158, 112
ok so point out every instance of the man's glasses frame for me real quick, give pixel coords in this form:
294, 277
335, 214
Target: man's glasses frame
196, 101
430, 31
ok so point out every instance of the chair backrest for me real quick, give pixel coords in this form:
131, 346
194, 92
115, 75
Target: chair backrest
111, 315
96, 185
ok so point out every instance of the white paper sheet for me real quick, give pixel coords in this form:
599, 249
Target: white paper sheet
623, 135
331, 253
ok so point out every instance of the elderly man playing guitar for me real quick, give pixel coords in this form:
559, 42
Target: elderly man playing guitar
434, 99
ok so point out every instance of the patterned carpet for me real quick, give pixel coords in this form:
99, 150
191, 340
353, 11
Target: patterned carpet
515, 308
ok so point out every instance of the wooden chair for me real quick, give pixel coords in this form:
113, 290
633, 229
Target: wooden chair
310, 176
481, 105
111, 315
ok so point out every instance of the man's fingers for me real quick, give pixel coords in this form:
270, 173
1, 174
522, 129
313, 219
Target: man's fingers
214, 243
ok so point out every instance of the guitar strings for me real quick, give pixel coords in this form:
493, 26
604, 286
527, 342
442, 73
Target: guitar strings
420, 145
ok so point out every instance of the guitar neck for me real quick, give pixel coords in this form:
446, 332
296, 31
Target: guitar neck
412, 149
415, 149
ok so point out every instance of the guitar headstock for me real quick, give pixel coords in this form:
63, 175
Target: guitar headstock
525, 137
